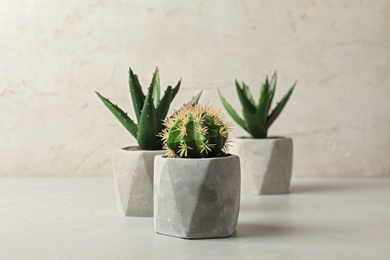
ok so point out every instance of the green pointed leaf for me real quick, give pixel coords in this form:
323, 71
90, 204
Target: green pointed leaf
232, 112
155, 86
157, 145
176, 89
149, 124
278, 109
244, 100
194, 99
165, 103
271, 90
137, 95
255, 128
120, 115
166, 100
262, 106
248, 93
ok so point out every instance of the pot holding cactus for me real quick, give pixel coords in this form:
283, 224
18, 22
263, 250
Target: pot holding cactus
133, 166
266, 162
197, 184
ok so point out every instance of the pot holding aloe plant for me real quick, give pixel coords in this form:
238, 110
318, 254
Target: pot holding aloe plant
196, 185
133, 165
266, 162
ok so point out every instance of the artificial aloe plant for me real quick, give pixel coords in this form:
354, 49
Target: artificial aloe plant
150, 110
257, 117
196, 131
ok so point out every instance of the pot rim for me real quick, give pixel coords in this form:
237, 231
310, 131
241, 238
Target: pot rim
135, 148
228, 156
270, 138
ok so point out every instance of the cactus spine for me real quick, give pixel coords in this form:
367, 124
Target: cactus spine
197, 131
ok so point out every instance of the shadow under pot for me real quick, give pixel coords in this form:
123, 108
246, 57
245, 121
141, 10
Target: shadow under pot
133, 179
266, 164
196, 198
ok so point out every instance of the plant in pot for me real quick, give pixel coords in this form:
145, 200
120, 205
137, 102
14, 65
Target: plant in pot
266, 162
133, 165
196, 185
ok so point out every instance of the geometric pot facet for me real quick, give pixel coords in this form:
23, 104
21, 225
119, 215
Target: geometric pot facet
133, 179
196, 198
266, 164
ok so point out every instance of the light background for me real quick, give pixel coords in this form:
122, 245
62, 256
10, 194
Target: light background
54, 54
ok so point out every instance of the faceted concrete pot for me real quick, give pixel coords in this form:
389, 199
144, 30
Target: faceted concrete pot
133, 178
266, 164
196, 198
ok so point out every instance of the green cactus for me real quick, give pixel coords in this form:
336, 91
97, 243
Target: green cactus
150, 110
257, 119
196, 132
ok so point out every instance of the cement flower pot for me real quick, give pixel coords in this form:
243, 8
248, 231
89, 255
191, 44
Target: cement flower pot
133, 178
196, 198
266, 164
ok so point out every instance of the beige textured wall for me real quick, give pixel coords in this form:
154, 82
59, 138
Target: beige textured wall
55, 53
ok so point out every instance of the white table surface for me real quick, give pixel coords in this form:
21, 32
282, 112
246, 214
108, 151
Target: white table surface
76, 218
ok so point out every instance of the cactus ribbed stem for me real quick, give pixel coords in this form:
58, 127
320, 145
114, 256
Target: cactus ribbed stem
196, 131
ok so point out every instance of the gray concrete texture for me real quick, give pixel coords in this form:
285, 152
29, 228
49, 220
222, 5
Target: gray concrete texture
266, 164
196, 198
133, 179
